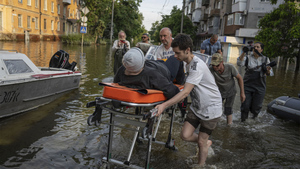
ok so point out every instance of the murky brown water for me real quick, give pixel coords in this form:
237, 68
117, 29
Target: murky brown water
57, 135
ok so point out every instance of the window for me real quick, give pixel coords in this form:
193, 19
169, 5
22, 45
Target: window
238, 19
36, 3
21, 1
73, 14
17, 66
20, 20
265, 0
36, 23
58, 9
230, 20
45, 24
45, 5
52, 25
65, 11
64, 27
258, 20
28, 21
29, 2
52, 6
69, 12
58, 26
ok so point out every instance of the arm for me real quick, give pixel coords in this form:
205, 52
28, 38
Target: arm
127, 43
241, 60
241, 85
177, 98
219, 51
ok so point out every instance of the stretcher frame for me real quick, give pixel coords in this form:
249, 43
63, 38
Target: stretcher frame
136, 120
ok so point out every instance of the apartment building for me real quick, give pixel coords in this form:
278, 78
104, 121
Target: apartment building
38, 19
235, 21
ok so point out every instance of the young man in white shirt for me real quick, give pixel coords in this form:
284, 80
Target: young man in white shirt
206, 106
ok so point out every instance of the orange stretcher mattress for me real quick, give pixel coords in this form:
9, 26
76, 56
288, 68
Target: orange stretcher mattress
122, 93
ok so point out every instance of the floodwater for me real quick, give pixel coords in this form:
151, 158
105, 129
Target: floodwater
57, 135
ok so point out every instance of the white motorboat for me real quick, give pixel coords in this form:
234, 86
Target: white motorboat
24, 86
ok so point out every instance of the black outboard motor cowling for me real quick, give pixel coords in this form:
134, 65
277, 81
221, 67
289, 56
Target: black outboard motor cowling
61, 60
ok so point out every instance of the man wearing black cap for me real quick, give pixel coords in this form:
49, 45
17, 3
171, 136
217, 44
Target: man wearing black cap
224, 74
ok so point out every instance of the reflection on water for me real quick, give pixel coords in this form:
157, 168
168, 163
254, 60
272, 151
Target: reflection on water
57, 135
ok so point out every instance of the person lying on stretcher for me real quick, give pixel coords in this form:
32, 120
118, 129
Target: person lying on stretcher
140, 74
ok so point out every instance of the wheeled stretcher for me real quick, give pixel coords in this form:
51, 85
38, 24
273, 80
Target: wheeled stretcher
143, 122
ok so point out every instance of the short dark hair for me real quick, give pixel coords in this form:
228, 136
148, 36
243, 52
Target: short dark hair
183, 41
146, 34
261, 45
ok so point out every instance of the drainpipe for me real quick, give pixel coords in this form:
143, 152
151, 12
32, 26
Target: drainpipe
40, 18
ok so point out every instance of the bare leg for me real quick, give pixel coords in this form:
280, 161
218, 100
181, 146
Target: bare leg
229, 119
187, 133
203, 144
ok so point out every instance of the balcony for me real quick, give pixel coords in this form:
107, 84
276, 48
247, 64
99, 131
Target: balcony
67, 2
215, 12
204, 17
205, 2
246, 32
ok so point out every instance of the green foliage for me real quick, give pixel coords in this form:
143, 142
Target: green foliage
76, 39
100, 13
126, 17
280, 30
173, 21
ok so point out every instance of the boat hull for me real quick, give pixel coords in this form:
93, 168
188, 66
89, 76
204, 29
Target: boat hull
285, 107
28, 94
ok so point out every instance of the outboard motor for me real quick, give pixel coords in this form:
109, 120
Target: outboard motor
61, 60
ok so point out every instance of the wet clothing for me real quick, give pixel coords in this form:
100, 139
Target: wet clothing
209, 48
207, 126
154, 76
254, 84
163, 53
119, 51
206, 98
226, 85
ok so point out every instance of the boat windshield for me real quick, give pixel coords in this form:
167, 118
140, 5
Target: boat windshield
15, 66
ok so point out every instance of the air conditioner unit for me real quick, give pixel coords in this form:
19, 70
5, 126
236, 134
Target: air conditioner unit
33, 19
245, 12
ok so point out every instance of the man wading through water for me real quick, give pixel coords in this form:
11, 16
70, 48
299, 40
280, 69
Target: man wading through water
120, 47
206, 106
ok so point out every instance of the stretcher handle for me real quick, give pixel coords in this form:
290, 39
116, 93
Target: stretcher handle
152, 113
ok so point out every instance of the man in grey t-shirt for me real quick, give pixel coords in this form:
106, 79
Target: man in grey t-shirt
224, 74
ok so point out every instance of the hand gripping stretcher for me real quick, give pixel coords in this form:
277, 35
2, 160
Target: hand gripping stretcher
114, 98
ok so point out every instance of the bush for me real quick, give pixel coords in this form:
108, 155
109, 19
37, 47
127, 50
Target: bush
76, 39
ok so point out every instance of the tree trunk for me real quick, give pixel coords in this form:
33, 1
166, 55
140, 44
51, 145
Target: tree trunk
297, 61
96, 38
284, 63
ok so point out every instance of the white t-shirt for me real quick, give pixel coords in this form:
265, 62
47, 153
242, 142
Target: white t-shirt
163, 53
205, 96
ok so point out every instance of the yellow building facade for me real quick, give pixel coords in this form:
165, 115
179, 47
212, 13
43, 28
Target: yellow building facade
38, 19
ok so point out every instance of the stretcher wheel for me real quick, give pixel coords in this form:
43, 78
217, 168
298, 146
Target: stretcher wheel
90, 120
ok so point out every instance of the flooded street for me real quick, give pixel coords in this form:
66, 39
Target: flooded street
57, 135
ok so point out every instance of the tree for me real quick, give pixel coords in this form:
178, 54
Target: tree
280, 32
126, 17
173, 21
99, 14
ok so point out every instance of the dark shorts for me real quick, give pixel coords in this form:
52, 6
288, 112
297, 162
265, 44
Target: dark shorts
207, 126
228, 105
